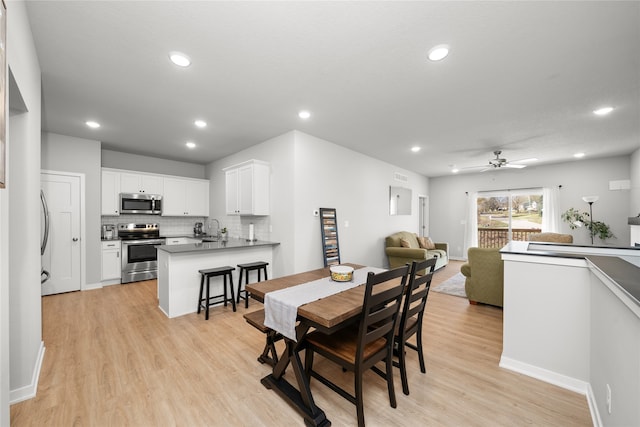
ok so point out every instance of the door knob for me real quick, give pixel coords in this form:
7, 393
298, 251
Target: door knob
75, 239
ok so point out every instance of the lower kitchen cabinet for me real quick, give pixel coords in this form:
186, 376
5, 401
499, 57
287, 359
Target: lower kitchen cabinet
111, 265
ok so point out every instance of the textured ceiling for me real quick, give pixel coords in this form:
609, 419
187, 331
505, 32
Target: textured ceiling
521, 76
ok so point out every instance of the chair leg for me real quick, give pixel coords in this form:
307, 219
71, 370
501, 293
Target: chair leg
246, 293
201, 289
239, 285
233, 298
206, 312
402, 364
359, 398
392, 392
420, 353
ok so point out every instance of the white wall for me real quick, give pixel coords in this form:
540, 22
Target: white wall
21, 203
68, 154
578, 178
331, 176
308, 173
135, 162
634, 202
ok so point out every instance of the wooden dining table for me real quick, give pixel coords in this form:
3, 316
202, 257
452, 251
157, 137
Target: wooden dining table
327, 315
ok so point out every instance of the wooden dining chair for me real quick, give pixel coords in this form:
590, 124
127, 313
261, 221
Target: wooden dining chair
359, 347
410, 323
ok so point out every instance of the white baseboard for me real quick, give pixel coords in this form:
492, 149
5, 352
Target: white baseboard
91, 286
545, 375
29, 391
593, 408
556, 379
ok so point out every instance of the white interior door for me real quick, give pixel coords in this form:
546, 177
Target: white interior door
62, 256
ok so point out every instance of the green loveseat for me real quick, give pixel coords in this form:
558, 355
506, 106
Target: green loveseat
484, 271
399, 256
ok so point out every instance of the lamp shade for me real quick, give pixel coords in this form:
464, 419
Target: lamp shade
590, 199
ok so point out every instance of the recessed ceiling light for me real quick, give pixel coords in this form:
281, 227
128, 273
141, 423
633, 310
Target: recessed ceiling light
455, 170
603, 111
415, 149
180, 59
578, 155
92, 124
439, 52
190, 144
304, 114
200, 123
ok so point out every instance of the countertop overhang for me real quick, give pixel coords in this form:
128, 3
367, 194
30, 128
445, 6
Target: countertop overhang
214, 246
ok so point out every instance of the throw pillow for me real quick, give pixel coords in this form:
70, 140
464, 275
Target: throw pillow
404, 243
426, 243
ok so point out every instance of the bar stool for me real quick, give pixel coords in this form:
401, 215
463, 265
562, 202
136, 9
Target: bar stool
215, 299
260, 266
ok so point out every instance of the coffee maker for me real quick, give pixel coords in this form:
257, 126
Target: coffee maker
108, 231
197, 229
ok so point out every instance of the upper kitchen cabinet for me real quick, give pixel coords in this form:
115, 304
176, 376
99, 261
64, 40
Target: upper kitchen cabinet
141, 183
247, 188
185, 197
110, 193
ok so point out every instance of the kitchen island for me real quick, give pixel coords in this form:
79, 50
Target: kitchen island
178, 265
572, 318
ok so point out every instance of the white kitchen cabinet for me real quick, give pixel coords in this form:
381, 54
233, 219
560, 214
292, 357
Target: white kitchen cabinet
111, 265
185, 197
247, 188
110, 193
141, 183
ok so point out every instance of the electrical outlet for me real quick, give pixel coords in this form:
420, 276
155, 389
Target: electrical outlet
608, 398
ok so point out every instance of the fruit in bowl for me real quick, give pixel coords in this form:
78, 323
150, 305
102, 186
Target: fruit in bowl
341, 273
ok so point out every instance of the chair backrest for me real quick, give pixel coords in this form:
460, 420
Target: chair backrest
382, 297
415, 298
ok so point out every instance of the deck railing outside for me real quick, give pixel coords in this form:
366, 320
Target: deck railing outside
498, 237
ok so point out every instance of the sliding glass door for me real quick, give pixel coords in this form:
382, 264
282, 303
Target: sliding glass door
508, 215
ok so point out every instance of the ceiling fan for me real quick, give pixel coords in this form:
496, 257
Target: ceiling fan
499, 163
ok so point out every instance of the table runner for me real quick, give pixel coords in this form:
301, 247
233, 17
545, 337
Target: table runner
281, 307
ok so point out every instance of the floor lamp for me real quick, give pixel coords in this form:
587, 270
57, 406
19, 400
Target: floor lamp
590, 200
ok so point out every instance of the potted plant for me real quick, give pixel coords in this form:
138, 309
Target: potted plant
223, 234
577, 219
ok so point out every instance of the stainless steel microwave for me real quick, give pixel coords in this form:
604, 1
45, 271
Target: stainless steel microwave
140, 203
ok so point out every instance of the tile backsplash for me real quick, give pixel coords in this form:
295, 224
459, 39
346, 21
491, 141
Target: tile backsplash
237, 226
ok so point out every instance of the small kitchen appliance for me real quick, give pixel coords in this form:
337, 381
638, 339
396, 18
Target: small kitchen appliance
140, 203
109, 232
197, 229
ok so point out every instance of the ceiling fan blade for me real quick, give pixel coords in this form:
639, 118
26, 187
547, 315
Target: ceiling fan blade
511, 165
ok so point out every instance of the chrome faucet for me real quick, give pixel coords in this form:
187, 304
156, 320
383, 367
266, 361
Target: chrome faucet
218, 226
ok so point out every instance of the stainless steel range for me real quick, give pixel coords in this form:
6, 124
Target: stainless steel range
139, 254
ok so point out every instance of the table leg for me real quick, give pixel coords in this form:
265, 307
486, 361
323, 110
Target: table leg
301, 398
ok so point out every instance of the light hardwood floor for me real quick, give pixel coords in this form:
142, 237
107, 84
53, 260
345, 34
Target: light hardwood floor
113, 359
